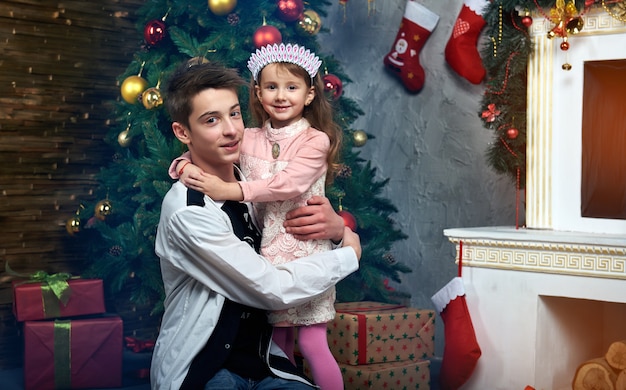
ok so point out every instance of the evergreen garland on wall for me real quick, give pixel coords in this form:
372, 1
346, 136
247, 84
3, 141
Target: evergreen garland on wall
505, 57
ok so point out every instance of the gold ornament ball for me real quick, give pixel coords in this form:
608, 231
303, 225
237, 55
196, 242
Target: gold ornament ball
222, 7
151, 98
132, 87
124, 138
196, 61
73, 225
103, 209
360, 138
309, 23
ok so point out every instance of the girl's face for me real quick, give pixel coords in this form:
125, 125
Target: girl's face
283, 95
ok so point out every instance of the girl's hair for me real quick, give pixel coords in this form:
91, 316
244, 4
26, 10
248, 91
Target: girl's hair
319, 114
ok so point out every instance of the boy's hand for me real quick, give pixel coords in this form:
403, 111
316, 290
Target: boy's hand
316, 220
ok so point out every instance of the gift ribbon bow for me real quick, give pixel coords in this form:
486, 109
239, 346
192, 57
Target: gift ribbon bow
57, 283
138, 345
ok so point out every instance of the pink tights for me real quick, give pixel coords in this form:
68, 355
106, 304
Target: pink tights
314, 347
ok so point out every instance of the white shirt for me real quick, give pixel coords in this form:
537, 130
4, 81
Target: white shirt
202, 261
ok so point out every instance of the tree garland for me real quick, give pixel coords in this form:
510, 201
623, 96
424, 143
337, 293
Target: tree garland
505, 57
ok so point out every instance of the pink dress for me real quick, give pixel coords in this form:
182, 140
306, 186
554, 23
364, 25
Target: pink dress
278, 183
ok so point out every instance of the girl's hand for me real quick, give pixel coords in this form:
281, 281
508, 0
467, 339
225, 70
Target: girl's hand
352, 240
214, 187
204, 182
188, 169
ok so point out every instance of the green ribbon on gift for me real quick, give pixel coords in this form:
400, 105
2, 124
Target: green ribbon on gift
57, 283
62, 354
54, 288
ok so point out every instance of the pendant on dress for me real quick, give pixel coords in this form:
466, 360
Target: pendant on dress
275, 150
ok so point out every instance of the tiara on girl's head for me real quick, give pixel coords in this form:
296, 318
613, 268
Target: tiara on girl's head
283, 53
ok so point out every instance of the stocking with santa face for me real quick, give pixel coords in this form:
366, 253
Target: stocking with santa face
417, 24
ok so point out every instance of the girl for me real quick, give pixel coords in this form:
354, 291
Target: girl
285, 162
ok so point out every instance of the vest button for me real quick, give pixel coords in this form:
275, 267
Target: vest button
227, 346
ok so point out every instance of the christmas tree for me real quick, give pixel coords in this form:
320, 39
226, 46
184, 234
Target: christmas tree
119, 228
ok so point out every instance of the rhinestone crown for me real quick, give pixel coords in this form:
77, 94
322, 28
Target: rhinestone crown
283, 53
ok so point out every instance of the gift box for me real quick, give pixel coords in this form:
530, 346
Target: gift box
38, 301
73, 354
371, 332
392, 375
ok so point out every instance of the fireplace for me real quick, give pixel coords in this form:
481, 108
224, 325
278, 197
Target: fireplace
542, 302
548, 297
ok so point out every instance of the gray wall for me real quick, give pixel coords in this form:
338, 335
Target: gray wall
430, 145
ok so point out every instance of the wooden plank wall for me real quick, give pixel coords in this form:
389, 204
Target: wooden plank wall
59, 61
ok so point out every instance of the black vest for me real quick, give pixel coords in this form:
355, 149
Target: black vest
224, 338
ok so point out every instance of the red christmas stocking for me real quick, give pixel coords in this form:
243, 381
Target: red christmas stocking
461, 51
461, 350
403, 59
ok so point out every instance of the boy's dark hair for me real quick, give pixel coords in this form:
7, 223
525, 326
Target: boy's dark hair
191, 78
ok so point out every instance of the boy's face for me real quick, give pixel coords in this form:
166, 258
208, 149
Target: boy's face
216, 130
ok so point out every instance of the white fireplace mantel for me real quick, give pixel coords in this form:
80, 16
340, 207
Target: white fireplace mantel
550, 251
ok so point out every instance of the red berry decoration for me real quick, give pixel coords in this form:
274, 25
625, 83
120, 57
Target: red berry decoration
289, 10
333, 87
527, 21
266, 35
512, 133
154, 32
348, 219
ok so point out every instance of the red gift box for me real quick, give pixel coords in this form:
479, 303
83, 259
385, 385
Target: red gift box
73, 354
37, 301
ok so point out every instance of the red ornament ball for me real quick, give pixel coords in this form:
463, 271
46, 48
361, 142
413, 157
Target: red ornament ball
512, 133
527, 21
289, 10
333, 87
154, 32
564, 45
266, 35
348, 219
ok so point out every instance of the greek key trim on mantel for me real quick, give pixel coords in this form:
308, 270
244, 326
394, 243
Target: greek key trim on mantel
558, 258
